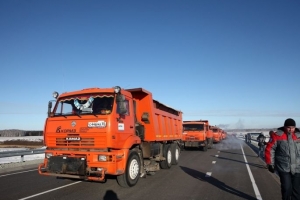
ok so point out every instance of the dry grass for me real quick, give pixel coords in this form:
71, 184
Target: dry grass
21, 144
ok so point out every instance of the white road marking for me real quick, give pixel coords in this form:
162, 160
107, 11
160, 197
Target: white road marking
208, 174
216, 155
50, 190
18, 173
214, 162
256, 191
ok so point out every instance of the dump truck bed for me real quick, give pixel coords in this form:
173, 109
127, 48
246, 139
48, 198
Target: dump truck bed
161, 122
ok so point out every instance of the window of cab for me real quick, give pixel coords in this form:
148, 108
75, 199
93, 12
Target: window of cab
85, 104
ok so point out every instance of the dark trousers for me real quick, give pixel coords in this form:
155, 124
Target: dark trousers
261, 150
290, 186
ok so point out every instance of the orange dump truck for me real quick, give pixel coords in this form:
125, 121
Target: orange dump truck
197, 134
224, 135
217, 134
96, 132
209, 134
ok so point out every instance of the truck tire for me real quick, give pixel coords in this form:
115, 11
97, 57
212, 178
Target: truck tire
132, 171
175, 153
167, 153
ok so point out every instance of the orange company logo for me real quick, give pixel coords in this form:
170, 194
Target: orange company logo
59, 130
73, 124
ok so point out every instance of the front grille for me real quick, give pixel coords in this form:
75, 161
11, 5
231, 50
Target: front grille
192, 138
81, 142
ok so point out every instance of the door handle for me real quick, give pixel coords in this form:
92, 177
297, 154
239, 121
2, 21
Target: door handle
131, 126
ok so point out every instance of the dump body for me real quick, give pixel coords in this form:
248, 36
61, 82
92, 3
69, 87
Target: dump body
195, 134
166, 122
94, 132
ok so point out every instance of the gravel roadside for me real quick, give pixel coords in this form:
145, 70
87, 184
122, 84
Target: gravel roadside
10, 167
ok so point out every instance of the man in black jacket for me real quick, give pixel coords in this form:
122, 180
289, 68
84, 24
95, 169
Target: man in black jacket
261, 144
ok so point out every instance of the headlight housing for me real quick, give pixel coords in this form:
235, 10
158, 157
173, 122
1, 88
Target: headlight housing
117, 89
55, 95
48, 155
104, 158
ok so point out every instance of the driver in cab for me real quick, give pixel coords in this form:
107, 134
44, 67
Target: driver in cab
103, 107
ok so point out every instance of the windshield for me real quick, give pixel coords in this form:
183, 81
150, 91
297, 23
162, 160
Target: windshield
85, 104
193, 127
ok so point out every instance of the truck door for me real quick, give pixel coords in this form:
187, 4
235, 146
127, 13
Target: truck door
139, 128
126, 121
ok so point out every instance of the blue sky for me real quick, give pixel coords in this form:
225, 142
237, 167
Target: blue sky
234, 62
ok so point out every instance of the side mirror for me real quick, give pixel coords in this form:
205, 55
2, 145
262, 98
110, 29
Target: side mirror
120, 97
121, 104
49, 108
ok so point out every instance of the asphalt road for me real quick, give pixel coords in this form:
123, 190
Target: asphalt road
231, 170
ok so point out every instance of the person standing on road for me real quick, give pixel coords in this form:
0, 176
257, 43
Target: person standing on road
282, 154
246, 137
261, 144
270, 135
249, 138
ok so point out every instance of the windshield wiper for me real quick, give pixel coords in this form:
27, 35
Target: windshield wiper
78, 114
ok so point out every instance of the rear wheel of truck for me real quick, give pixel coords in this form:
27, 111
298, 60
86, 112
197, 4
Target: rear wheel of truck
175, 153
167, 153
132, 171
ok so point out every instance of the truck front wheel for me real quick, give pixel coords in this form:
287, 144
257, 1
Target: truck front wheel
132, 171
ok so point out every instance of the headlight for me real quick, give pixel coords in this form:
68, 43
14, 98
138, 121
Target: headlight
48, 155
117, 89
102, 158
55, 95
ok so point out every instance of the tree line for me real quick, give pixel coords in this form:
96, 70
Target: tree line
19, 133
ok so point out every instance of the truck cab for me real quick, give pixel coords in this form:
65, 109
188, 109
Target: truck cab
217, 134
195, 134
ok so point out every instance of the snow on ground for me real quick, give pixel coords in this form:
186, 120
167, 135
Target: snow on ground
28, 138
17, 159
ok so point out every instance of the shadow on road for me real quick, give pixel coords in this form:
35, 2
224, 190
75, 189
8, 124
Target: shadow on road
237, 153
253, 147
110, 195
252, 164
221, 185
